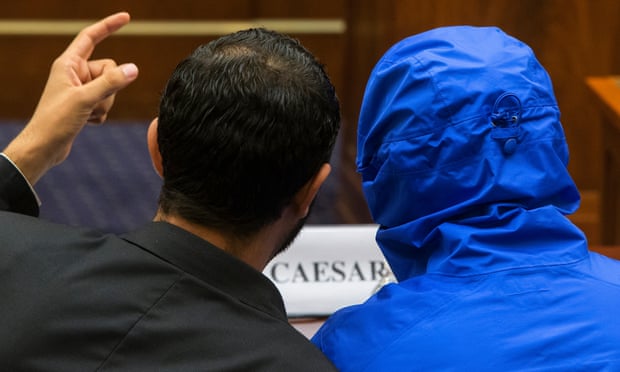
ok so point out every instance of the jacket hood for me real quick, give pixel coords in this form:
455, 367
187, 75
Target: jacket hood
459, 125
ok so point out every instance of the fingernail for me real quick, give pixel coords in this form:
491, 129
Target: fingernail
130, 70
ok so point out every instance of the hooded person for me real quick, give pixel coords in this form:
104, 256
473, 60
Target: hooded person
464, 167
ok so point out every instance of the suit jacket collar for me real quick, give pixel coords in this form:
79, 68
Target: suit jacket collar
210, 264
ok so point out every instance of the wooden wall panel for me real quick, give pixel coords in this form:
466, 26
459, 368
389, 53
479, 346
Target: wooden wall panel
140, 9
24, 66
300, 8
26, 58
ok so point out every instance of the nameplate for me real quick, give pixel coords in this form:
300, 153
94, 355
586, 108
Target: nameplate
328, 267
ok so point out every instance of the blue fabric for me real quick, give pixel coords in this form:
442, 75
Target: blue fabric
107, 182
464, 167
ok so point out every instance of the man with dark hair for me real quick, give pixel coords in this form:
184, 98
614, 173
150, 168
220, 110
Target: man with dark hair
464, 166
246, 127
272, 122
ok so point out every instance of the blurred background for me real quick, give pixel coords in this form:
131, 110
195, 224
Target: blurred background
108, 182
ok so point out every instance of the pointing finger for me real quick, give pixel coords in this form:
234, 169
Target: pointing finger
85, 42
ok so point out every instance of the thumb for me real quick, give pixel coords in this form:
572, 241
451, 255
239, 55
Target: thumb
109, 82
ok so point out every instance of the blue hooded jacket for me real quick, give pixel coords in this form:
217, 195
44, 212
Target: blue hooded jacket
464, 167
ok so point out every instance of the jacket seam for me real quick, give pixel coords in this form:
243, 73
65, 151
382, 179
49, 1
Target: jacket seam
403, 332
138, 321
524, 267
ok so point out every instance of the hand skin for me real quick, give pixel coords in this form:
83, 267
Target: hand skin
77, 91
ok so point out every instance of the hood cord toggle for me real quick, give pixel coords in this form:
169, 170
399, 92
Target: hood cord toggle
505, 120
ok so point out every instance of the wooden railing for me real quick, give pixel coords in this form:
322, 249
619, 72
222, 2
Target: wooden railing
606, 90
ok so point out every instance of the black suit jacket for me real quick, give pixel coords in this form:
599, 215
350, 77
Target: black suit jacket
157, 299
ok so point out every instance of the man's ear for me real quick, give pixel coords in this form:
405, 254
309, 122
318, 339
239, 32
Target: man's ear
304, 197
151, 140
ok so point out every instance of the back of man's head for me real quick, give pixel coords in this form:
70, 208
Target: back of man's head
244, 123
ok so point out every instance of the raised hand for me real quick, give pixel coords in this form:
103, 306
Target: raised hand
78, 91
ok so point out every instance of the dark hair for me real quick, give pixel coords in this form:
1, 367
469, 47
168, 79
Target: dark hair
244, 123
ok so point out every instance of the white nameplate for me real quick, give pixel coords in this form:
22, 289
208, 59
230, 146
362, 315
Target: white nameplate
329, 267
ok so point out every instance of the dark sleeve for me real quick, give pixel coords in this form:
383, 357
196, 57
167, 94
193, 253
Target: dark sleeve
15, 192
